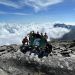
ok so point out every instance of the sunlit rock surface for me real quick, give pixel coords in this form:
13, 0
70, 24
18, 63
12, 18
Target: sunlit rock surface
14, 62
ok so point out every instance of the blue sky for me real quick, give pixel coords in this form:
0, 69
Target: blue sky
37, 11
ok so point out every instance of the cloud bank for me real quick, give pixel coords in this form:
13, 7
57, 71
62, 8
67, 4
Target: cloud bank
14, 33
9, 3
41, 4
21, 14
36, 4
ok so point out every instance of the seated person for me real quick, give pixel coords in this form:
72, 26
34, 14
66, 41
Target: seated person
25, 41
48, 48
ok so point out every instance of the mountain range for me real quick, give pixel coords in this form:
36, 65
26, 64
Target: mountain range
72, 27
67, 36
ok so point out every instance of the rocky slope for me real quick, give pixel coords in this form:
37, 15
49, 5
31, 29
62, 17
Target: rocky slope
13, 62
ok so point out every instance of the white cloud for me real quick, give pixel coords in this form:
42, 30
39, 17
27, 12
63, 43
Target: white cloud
18, 13
36, 4
70, 23
1, 12
9, 3
41, 4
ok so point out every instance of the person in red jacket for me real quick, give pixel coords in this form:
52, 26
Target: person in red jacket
25, 41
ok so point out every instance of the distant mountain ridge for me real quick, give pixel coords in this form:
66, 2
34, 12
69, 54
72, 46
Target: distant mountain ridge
67, 36
65, 26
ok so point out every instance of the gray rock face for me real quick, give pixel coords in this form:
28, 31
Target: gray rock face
14, 62
3, 72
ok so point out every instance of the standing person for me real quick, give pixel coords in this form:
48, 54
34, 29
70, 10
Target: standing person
37, 35
33, 34
45, 36
25, 41
42, 34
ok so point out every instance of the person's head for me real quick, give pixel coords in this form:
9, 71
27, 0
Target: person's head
32, 32
25, 37
45, 33
42, 34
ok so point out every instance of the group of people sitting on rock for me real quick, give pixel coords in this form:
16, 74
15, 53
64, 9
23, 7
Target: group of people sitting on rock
40, 51
35, 35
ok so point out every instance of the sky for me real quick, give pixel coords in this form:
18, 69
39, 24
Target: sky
37, 11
